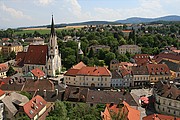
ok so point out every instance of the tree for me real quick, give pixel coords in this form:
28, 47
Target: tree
109, 56
69, 61
11, 71
12, 55
91, 53
59, 112
29, 96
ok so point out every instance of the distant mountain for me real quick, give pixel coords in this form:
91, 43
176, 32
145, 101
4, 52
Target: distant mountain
147, 20
129, 20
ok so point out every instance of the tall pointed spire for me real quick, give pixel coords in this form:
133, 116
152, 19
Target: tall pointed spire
52, 27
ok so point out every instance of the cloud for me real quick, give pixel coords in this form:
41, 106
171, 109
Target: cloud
146, 8
14, 13
43, 2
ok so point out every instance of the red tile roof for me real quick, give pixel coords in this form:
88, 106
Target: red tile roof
171, 56
3, 67
1, 92
133, 114
124, 71
20, 58
72, 72
94, 71
34, 106
36, 54
158, 69
38, 73
141, 59
79, 65
159, 117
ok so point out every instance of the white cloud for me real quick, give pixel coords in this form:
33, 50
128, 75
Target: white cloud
147, 8
14, 13
43, 2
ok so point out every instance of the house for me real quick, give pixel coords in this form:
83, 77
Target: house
173, 66
158, 72
3, 70
8, 47
44, 57
120, 111
132, 49
141, 59
96, 48
34, 108
114, 65
12, 103
160, 117
140, 75
35, 40
121, 77
174, 57
167, 97
35, 74
88, 76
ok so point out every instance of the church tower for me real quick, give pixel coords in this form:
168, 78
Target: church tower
54, 58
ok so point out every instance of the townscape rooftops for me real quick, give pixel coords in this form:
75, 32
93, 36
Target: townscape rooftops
171, 56
34, 106
139, 70
172, 65
36, 54
159, 117
13, 97
165, 89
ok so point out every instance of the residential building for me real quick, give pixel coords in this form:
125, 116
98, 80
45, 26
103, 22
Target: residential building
44, 57
141, 59
174, 57
121, 78
158, 72
167, 97
120, 111
160, 117
173, 66
12, 102
96, 48
7, 47
88, 76
115, 64
3, 70
132, 49
35, 40
140, 75
34, 108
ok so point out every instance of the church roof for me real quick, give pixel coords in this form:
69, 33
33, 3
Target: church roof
36, 54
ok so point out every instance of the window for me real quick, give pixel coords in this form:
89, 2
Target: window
92, 79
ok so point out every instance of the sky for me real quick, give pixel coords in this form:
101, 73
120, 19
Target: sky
20, 13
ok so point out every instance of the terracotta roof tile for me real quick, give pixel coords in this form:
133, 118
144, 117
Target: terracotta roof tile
94, 71
34, 106
36, 54
1, 92
72, 72
38, 73
79, 65
3, 67
158, 69
171, 56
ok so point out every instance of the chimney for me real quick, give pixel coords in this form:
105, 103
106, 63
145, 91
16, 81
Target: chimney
44, 93
56, 90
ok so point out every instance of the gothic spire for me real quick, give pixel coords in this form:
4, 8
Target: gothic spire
52, 27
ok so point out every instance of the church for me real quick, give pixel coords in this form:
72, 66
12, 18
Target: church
45, 57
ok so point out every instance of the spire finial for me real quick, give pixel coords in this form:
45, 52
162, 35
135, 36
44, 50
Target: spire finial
52, 26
